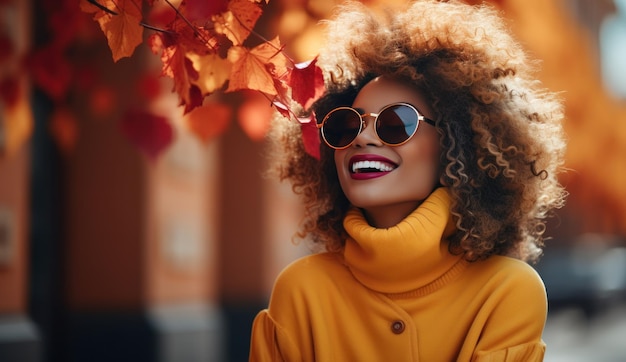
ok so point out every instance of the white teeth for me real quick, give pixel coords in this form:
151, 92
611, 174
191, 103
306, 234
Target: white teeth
375, 165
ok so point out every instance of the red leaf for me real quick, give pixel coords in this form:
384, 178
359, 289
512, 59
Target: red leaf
282, 109
161, 15
311, 136
307, 83
209, 121
201, 10
7, 48
195, 99
149, 86
50, 71
65, 22
10, 91
86, 77
151, 133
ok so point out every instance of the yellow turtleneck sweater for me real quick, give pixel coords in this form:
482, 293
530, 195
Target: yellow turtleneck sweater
397, 294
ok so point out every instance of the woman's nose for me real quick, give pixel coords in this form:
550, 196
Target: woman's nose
368, 136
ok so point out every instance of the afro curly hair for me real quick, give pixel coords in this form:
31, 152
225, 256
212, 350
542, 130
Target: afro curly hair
501, 132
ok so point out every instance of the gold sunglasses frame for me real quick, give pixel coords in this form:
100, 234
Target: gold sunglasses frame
363, 125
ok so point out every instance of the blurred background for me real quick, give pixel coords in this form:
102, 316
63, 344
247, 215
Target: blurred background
133, 231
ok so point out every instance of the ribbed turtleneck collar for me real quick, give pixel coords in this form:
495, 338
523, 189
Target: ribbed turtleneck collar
405, 257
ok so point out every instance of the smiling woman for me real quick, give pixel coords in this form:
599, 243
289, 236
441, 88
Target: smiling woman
437, 172
385, 201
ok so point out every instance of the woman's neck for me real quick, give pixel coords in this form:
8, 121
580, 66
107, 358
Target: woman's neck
386, 216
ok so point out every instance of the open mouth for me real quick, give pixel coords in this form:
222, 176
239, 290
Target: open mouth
371, 166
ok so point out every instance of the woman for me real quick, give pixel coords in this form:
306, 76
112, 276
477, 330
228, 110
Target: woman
438, 168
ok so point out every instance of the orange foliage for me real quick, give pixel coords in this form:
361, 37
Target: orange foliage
209, 121
203, 49
595, 127
64, 129
120, 22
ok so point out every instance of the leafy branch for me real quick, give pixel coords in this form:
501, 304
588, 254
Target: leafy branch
205, 59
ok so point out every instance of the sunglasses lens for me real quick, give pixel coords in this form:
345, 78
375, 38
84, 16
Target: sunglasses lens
396, 124
341, 127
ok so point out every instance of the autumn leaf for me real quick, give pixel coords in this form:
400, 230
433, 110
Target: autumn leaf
64, 129
161, 15
257, 68
209, 121
193, 39
50, 71
120, 25
271, 53
66, 22
254, 115
7, 48
282, 108
102, 101
16, 123
307, 83
89, 7
180, 68
201, 10
237, 23
149, 86
151, 133
195, 99
213, 72
310, 136
9, 91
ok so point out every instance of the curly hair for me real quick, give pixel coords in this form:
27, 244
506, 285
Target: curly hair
501, 132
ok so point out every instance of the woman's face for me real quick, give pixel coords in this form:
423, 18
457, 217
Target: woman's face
409, 172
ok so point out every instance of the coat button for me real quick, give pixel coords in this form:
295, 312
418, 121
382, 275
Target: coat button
397, 327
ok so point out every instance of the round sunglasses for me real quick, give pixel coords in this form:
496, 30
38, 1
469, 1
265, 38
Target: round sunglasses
394, 125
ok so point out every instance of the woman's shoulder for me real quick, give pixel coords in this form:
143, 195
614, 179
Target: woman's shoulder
507, 275
304, 278
314, 268
505, 266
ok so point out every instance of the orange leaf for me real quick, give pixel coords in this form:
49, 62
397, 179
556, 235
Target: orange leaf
271, 53
214, 72
64, 129
248, 72
238, 21
180, 68
256, 69
122, 29
103, 100
209, 121
193, 39
254, 116
16, 123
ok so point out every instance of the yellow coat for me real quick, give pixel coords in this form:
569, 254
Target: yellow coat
398, 295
